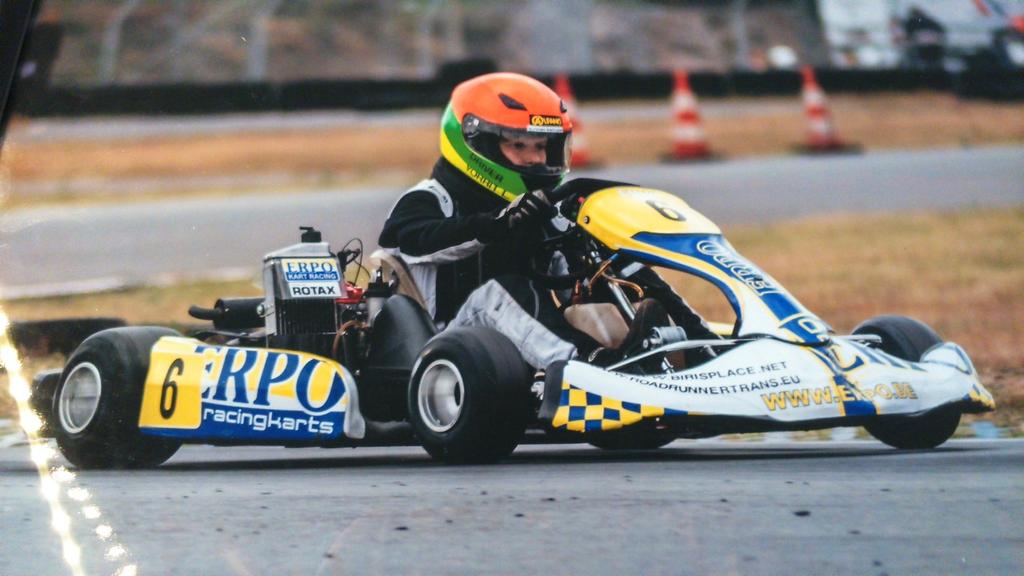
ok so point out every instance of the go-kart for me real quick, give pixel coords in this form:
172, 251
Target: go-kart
318, 361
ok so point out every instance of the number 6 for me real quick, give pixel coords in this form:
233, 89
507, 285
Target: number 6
666, 211
169, 391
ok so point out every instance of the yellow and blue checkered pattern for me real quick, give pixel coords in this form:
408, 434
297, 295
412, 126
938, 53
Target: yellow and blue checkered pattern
582, 411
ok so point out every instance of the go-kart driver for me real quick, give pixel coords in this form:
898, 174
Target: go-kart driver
467, 233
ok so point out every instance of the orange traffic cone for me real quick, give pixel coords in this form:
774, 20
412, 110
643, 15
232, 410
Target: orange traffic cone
581, 157
821, 132
688, 139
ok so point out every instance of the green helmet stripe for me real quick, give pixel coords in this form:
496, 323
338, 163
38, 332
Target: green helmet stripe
498, 179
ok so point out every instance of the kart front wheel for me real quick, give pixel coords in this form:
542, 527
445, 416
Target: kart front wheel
909, 339
97, 401
469, 396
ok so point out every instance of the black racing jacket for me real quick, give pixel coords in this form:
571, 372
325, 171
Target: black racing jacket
418, 227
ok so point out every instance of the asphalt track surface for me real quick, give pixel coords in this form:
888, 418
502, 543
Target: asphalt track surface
708, 507
52, 251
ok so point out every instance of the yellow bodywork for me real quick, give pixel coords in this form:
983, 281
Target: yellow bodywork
631, 219
182, 369
614, 215
158, 410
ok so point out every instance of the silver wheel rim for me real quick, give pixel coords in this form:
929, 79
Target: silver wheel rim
441, 395
80, 397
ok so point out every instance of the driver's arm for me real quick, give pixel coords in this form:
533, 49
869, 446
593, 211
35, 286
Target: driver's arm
417, 227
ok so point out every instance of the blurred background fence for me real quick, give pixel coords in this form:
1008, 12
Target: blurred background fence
194, 56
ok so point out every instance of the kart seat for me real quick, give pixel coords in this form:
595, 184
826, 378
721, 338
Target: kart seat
396, 268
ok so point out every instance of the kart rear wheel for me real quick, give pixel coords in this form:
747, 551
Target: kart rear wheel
469, 396
97, 401
909, 339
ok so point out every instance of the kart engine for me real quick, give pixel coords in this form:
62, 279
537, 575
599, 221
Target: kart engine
302, 283
308, 306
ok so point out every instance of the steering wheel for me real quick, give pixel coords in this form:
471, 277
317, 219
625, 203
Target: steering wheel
543, 253
571, 195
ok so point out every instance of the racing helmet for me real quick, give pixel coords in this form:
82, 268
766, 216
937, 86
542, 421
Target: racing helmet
486, 109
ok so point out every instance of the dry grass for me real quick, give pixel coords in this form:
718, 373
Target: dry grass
342, 150
162, 305
886, 121
344, 155
962, 273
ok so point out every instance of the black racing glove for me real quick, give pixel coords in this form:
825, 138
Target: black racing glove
528, 211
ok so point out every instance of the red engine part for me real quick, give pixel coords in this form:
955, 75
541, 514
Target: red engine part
353, 294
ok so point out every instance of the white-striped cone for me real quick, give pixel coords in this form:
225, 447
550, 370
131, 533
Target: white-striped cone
821, 132
581, 157
689, 141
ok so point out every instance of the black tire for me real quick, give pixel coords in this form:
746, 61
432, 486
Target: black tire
110, 437
484, 418
635, 437
62, 336
909, 339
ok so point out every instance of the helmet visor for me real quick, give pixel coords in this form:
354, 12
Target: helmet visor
542, 149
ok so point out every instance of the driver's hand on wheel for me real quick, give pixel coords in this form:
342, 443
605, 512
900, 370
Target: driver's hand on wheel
528, 211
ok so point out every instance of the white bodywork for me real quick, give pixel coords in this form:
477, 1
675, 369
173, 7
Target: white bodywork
775, 380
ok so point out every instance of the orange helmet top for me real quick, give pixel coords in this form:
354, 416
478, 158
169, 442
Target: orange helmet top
511, 100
